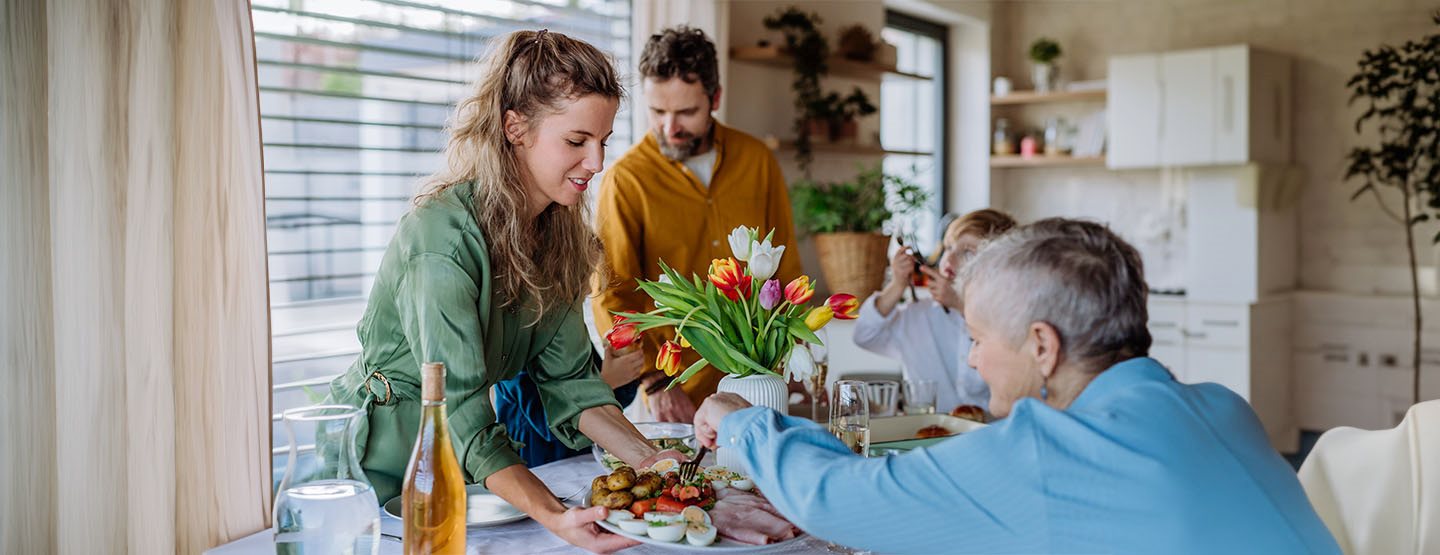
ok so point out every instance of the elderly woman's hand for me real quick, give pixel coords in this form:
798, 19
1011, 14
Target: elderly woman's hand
622, 366
712, 411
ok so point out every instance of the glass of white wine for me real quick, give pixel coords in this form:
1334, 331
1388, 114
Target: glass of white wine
850, 415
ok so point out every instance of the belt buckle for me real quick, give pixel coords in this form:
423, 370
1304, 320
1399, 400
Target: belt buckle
389, 394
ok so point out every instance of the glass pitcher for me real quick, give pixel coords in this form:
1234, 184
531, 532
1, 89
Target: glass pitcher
324, 503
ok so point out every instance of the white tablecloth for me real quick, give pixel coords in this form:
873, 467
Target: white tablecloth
526, 536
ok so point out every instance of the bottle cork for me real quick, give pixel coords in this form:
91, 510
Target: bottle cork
432, 381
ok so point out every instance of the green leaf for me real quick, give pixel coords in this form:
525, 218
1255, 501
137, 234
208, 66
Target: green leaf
798, 328
688, 373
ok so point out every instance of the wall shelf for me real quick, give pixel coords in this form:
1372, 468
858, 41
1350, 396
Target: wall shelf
1045, 161
1032, 97
839, 66
847, 149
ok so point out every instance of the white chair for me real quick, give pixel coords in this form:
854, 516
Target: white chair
1379, 491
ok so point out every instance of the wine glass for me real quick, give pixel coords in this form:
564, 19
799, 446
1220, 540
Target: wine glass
850, 415
815, 386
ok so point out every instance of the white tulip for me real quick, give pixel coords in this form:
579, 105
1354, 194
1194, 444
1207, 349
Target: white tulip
764, 260
799, 367
741, 239
665, 278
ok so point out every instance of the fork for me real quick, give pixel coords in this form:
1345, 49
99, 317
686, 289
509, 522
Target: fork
689, 468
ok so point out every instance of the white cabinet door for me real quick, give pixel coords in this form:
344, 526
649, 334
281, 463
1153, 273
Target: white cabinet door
1133, 112
1187, 128
1232, 106
1221, 252
1227, 367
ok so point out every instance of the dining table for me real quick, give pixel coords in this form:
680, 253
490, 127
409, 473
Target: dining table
567, 478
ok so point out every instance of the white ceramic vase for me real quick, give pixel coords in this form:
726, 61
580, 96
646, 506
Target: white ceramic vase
761, 391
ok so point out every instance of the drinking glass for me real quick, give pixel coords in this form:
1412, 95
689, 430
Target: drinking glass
850, 415
884, 396
815, 386
919, 396
325, 504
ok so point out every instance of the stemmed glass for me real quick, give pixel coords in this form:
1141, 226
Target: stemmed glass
815, 386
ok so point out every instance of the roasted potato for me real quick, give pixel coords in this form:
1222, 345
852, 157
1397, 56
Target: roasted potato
646, 484
598, 484
621, 479
617, 500
597, 496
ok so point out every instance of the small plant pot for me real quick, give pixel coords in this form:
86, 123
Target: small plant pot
1044, 75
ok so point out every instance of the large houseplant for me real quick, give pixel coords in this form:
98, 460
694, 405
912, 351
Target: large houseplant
1400, 89
848, 220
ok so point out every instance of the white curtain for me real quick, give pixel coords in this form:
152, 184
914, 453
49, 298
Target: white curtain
136, 331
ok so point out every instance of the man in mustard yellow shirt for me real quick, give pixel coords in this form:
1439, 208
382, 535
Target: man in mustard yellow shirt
676, 195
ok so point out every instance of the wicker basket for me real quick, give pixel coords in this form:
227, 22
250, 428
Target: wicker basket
852, 262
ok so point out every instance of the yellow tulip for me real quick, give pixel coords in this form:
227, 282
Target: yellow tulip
818, 317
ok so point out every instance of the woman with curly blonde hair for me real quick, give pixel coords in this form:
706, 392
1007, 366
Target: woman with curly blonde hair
486, 274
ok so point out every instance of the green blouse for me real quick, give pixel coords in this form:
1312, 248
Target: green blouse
433, 301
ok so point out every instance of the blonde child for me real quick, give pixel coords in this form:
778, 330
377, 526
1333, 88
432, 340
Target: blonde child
923, 332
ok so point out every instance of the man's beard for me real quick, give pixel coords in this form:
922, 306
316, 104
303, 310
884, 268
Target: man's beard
683, 151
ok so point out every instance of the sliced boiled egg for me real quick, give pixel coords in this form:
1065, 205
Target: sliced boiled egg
671, 532
662, 517
742, 484
634, 526
693, 515
618, 515
663, 466
700, 535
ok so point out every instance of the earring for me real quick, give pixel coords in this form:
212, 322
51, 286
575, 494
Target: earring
1044, 389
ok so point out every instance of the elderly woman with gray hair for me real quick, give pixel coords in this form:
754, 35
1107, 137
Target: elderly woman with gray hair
1100, 449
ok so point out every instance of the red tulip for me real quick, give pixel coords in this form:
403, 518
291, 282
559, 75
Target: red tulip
725, 273
846, 306
799, 290
623, 334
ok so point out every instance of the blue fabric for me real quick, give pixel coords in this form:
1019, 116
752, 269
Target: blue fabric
1139, 463
517, 406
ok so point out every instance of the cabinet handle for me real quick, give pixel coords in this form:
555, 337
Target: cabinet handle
1331, 357
1194, 334
1221, 323
1164, 325
1229, 104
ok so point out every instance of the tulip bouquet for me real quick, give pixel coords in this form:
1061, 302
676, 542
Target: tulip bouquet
740, 320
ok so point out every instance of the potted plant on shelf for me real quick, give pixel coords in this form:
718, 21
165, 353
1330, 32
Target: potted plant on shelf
1043, 53
1401, 93
856, 43
808, 51
833, 116
849, 219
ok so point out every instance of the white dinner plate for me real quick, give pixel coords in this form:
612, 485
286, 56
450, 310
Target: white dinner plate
482, 508
722, 544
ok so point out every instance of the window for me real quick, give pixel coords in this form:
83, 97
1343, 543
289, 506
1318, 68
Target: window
914, 118
354, 95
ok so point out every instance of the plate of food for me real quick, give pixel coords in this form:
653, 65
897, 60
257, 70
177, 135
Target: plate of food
903, 433
482, 508
719, 511
663, 435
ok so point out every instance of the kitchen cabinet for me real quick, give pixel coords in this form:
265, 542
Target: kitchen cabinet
1244, 347
1241, 233
1210, 106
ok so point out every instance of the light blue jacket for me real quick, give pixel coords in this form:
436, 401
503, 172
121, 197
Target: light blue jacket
1139, 463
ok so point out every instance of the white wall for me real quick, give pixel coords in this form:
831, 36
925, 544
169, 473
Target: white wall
1344, 246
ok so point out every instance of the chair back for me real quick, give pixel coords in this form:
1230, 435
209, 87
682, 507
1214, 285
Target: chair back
1379, 491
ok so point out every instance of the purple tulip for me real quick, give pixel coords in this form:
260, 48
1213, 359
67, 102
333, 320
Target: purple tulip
770, 294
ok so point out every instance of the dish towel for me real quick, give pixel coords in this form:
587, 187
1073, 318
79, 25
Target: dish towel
1379, 491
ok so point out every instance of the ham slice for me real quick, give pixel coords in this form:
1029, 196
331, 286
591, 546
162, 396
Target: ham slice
748, 518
